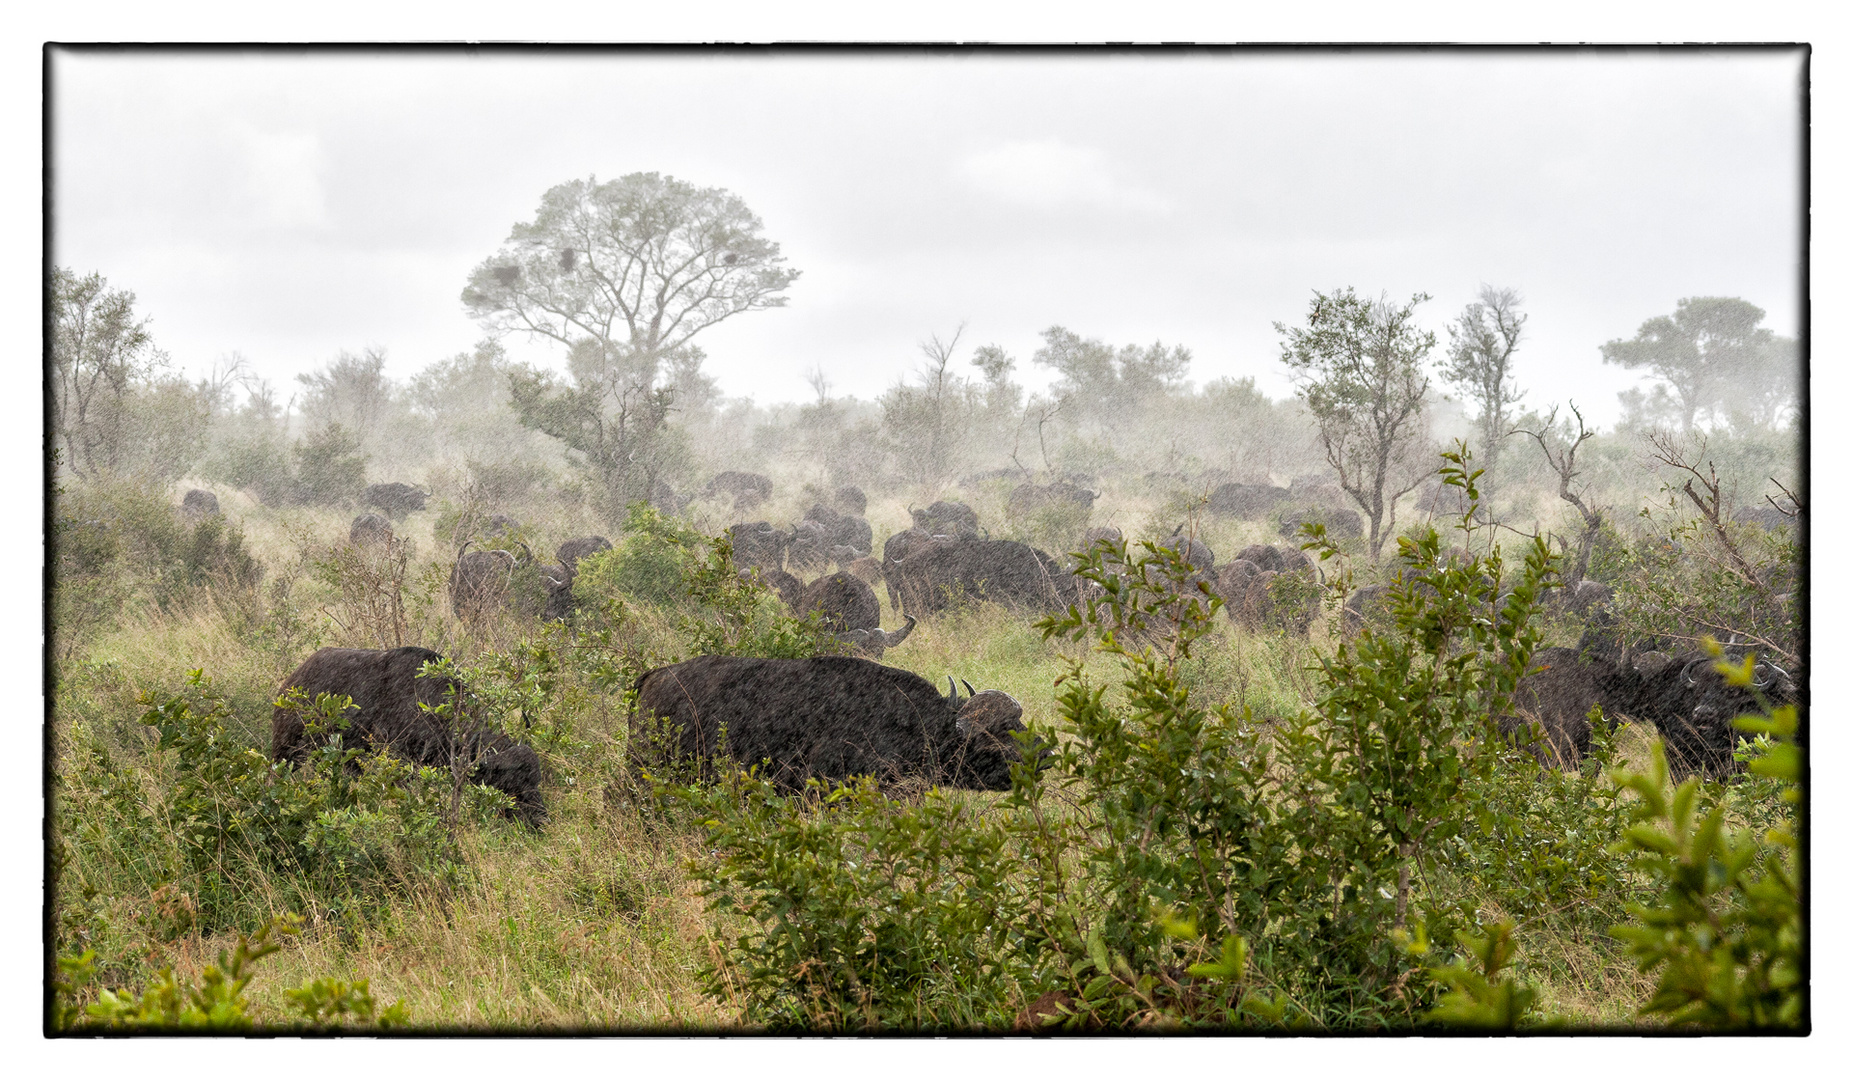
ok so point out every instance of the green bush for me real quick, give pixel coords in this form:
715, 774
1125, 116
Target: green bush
217, 1003
340, 831
1724, 926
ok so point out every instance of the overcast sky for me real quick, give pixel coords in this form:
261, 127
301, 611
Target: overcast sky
287, 206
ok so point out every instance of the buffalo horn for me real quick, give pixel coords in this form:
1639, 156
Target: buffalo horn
969, 692
1686, 672
954, 698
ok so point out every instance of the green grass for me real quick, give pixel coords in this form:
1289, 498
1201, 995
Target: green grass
592, 923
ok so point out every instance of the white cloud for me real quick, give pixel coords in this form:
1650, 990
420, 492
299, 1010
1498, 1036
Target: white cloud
1052, 174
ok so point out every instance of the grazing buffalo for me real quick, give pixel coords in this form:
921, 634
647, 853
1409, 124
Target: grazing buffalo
850, 609
759, 544
1194, 551
746, 489
387, 692
843, 530
394, 500
898, 547
580, 548
1682, 695
832, 717
369, 529
940, 574
1340, 523
947, 518
1246, 501
198, 503
483, 580
787, 586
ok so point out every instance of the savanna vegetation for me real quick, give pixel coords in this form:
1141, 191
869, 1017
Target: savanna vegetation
1243, 824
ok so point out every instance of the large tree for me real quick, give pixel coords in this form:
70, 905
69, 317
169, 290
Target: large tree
623, 275
1358, 365
1701, 352
117, 407
1479, 362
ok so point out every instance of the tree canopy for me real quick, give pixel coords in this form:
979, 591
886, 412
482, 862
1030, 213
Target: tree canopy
1713, 357
1358, 364
1479, 361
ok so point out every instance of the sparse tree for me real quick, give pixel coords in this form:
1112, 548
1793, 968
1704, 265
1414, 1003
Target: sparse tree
1708, 345
1479, 362
350, 390
623, 275
1358, 366
100, 350
927, 425
1108, 386
1560, 454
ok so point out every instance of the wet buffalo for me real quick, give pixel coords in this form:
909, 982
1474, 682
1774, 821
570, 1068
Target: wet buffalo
394, 500
387, 691
1008, 572
831, 717
850, 609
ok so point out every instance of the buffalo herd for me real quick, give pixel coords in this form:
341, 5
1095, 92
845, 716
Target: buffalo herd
834, 717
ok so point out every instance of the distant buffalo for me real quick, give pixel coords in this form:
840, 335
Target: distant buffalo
759, 544
387, 692
747, 490
1681, 694
369, 529
1247, 501
843, 530
198, 503
942, 573
1340, 523
394, 500
482, 581
850, 609
851, 500
571, 552
948, 518
787, 586
832, 717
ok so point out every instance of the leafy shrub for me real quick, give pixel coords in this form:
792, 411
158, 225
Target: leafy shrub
343, 829
1724, 928
647, 565
330, 469
115, 540
217, 1003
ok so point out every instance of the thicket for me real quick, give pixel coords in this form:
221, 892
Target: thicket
1186, 865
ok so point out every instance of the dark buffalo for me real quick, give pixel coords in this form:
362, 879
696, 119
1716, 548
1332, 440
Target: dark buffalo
1005, 571
898, 547
369, 529
387, 692
759, 544
580, 548
851, 500
1682, 695
850, 609
787, 586
833, 717
1194, 551
747, 490
198, 503
949, 519
810, 546
394, 500
1247, 501
1340, 523
843, 530
1316, 491
483, 580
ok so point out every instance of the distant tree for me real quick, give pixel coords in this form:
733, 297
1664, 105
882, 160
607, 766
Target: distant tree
1104, 385
1358, 366
1706, 349
1479, 362
99, 351
349, 390
926, 425
623, 275
1559, 446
